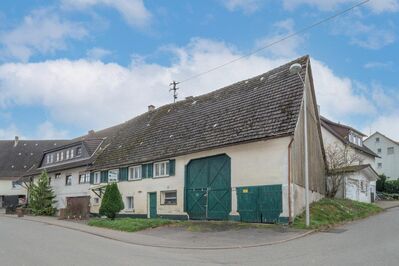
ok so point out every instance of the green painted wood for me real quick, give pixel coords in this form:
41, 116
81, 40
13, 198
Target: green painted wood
208, 188
172, 166
150, 170
123, 174
260, 203
104, 176
153, 205
91, 178
144, 171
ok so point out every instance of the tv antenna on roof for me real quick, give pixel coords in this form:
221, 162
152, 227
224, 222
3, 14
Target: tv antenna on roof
174, 89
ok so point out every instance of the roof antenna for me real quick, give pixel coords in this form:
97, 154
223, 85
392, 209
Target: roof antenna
174, 89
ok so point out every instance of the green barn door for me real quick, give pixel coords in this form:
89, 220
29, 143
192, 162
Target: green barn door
208, 188
152, 205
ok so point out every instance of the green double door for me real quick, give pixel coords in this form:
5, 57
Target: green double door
208, 188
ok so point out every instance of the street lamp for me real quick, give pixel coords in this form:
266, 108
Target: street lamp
296, 69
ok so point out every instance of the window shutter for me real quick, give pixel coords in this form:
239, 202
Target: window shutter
92, 178
172, 167
123, 174
144, 171
150, 168
104, 176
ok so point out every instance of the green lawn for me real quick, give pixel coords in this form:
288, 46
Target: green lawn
128, 224
328, 212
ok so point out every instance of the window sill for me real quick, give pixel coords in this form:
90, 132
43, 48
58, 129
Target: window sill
161, 176
138, 179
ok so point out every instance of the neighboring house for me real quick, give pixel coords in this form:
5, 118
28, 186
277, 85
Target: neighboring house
67, 168
343, 142
16, 157
235, 153
388, 152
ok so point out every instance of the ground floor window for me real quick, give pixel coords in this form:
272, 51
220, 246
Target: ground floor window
16, 184
169, 197
96, 201
129, 203
84, 178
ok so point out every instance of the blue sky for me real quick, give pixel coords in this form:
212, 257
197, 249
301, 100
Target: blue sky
69, 66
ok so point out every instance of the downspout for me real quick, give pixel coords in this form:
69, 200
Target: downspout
289, 181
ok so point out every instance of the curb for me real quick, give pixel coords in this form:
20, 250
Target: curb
168, 247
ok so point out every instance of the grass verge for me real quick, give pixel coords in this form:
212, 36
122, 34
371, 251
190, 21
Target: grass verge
329, 212
218, 226
128, 224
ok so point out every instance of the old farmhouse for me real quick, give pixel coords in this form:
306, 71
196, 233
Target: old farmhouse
235, 153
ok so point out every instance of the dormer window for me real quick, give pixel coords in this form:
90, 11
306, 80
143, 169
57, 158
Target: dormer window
48, 158
78, 151
67, 154
355, 139
57, 157
71, 153
62, 156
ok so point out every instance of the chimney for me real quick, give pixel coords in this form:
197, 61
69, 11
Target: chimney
16, 141
151, 108
91, 132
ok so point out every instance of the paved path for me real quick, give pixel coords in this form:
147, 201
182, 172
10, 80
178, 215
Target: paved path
388, 204
177, 237
373, 241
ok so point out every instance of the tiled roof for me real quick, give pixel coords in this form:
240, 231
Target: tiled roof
15, 160
263, 107
341, 131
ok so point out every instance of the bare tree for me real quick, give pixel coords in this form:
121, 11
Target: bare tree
339, 158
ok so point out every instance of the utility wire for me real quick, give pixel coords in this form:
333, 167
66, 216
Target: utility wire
340, 13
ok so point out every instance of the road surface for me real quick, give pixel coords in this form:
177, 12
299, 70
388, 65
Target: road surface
374, 241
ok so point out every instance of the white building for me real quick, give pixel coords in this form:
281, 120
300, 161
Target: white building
235, 153
359, 177
388, 152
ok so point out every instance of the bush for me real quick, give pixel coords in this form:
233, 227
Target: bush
112, 202
391, 186
41, 197
381, 183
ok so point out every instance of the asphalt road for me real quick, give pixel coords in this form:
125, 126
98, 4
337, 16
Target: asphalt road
374, 241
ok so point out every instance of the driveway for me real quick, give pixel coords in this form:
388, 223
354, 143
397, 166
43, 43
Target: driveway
373, 241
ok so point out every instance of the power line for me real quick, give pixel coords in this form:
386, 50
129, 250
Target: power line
340, 13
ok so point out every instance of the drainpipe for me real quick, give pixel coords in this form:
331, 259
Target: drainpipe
289, 181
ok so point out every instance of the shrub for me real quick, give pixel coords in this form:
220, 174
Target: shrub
391, 186
112, 202
381, 183
41, 197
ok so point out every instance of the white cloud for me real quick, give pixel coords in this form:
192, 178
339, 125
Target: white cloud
47, 130
134, 12
93, 94
9, 132
247, 6
376, 6
387, 125
97, 53
375, 64
286, 48
42, 32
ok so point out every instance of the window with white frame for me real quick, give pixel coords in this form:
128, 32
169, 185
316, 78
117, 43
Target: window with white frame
71, 153
390, 150
135, 172
57, 157
129, 203
84, 178
62, 155
16, 184
57, 176
68, 180
97, 178
48, 158
78, 151
161, 169
113, 175
169, 197
51, 158
67, 154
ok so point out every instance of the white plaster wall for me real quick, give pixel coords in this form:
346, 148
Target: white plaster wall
390, 162
330, 139
258, 163
62, 191
299, 200
6, 189
353, 190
